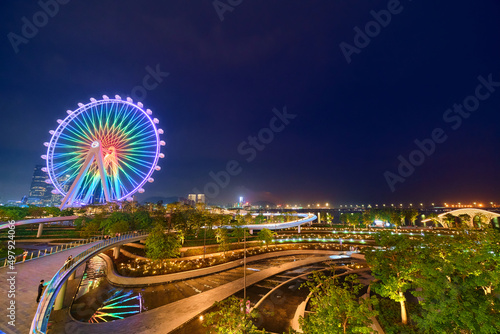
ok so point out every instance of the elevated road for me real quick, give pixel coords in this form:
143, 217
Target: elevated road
39, 221
304, 218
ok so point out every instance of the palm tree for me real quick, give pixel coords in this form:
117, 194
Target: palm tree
480, 219
396, 216
434, 218
412, 215
450, 220
464, 219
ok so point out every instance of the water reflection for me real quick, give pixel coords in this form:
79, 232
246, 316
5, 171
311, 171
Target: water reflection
99, 301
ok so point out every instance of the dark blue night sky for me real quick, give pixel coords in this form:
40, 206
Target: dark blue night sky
352, 121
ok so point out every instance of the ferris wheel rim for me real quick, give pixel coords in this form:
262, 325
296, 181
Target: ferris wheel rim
82, 109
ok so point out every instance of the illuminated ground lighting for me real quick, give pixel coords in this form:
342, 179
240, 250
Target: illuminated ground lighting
103, 151
118, 306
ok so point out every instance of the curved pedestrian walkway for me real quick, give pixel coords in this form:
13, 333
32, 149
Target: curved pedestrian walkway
27, 278
116, 279
166, 318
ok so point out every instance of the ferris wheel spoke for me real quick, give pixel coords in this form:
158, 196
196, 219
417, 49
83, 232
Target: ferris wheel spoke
138, 129
119, 115
81, 132
133, 123
142, 154
143, 143
131, 181
135, 170
91, 189
140, 134
83, 125
79, 136
136, 161
69, 138
71, 164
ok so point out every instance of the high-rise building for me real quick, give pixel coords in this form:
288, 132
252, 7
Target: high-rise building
56, 199
201, 198
197, 198
40, 191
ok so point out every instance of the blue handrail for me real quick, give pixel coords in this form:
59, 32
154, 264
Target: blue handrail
42, 315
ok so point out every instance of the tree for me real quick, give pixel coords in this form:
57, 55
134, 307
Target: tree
67, 212
222, 239
480, 220
328, 218
232, 316
141, 220
450, 220
267, 236
344, 218
35, 211
89, 229
119, 227
259, 219
336, 307
115, 218
238, 231
160, 245
411, 215
14, 213
459, 281
434, 218
393, 265
396, 217
465, 220
368, 217
53, 211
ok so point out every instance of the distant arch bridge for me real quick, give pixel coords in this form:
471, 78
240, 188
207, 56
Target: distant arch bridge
484, 216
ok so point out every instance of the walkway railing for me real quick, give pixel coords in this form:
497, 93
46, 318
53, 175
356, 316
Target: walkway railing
48, 251
42, 315
304, 218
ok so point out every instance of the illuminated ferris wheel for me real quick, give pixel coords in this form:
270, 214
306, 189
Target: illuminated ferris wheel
104, 151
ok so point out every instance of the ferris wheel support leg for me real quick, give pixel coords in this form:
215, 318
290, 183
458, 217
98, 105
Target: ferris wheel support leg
73, 190
102, 173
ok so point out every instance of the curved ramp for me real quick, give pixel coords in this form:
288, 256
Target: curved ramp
42, 315
304, 218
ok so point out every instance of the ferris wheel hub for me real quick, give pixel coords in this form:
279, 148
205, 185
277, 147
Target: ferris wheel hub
95, 144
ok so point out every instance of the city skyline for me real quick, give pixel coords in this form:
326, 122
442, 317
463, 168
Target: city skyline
37, 196
311, 105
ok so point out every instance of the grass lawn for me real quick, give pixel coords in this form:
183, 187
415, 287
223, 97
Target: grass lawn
4, 252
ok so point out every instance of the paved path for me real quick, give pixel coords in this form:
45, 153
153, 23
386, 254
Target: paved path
166, 318
27, 279
116, 279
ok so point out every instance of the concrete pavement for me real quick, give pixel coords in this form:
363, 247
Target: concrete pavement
166, 318
116, 279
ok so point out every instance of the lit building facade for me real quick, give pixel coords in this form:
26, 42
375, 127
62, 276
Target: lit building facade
197, 198
40, 191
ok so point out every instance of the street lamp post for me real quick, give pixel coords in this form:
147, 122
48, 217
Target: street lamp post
205, 242
244, 279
